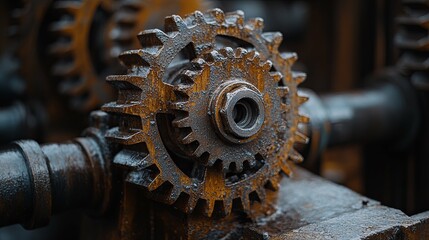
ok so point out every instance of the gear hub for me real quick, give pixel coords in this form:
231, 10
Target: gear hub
237, 110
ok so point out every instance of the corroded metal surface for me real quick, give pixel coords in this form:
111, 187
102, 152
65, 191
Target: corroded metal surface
162, 89
38, 181
133, 16
323, 210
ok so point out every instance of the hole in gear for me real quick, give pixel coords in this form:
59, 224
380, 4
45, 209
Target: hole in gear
245, 113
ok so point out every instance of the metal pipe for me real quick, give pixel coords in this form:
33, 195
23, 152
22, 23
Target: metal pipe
38, 181
385, 112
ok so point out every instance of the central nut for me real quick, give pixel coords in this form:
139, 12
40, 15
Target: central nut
237, 111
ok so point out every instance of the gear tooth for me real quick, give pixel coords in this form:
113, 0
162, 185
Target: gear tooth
216, 14
251, 54
155, 183
173, 195
132, 108
213, 56
299, 77
125, 138
235, 18
125, 82
301, 138
68, 69
188, 138
239, 166
267, 65
125, 17
174, 23
284, 107
423, 22
181, 106
212, 160
184, 88
240, 52
225, 166
277, 76
190, 205
72, 7
260, 191
139, 57
255, 24
153, 38
132, 159
303, 119
62, 27
302, 100
191, 74
136, 177
208, 207
295, 156
227, 52
245, 202
181, 123
282, 91
199, 64
121, 35
286, 169
60, 49
199, 17
273, 39
289, 57
273, 183
226, 206
198, 151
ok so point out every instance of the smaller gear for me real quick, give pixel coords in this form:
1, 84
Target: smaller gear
221, 108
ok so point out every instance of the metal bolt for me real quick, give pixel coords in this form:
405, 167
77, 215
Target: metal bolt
239, 111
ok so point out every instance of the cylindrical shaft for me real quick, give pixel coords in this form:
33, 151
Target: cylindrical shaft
386, 112
363, 116
38, 181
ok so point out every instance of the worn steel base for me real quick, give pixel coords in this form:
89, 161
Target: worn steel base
305, 207
309, 207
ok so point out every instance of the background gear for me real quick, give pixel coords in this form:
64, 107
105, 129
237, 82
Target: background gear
79, 29
143, 101
413, 40
133, 16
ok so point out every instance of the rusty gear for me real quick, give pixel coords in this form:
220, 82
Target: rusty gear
132, 16
201, 90
413, 41
24, 33
152, 87
76, 30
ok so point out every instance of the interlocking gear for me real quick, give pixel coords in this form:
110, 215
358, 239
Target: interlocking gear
24, 43
132, 16
244, 101
79, 31
85, 25
413, 41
